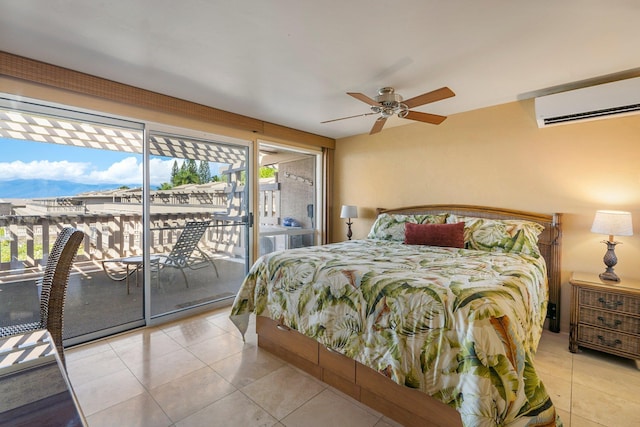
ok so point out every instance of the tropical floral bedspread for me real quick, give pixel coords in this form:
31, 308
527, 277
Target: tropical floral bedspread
461, 325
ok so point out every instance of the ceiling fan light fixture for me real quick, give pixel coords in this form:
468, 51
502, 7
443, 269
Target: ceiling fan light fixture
388, 98
388, 103
402, 110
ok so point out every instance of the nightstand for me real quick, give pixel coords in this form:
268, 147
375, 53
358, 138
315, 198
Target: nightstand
605, 316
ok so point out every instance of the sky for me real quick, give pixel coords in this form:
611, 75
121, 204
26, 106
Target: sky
21, 159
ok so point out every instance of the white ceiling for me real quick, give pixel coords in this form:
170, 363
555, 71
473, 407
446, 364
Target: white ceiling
290, 62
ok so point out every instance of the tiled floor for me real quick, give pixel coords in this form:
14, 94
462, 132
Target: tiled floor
198, 372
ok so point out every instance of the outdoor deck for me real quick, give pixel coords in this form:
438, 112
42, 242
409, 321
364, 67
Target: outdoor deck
95, 302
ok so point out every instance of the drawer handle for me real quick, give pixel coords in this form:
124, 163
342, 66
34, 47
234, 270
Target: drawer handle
613, 343
613, 325
610, 305
282, 327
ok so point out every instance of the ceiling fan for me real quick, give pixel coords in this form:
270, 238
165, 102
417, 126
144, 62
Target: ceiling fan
388, 103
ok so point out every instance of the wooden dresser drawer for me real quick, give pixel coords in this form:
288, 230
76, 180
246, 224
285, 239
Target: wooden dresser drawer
337, 363
606, 319
610, 301
609, 341
339, 371
288, 339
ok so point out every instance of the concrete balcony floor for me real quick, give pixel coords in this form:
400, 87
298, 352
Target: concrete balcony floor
96, 302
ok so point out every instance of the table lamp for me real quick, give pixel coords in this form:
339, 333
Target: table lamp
349, 211
613, 223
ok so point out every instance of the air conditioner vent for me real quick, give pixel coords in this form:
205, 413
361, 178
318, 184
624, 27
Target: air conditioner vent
592, 114
589, 103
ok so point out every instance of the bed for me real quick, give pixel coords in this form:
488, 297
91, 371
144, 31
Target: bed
439, 331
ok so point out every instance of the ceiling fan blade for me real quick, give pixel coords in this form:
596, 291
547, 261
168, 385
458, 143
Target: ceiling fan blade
434, 119
364, 98
377, 125
349, 117
426, 98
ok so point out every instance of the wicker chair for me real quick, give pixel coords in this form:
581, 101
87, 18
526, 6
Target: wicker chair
54, 289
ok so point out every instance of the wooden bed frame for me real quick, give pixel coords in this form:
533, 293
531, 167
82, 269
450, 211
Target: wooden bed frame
407, 406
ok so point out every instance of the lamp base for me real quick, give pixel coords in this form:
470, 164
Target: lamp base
609, 276
610, 260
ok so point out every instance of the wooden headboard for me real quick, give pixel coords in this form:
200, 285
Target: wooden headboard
548, 241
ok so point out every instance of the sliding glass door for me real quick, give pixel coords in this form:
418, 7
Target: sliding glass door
165, 217
290, 208
61, 168
198, 221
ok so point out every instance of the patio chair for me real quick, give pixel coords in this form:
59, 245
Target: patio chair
54, 289
186, 253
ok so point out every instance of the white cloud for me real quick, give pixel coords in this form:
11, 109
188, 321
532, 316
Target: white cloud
44, 169
160, 170
125, 171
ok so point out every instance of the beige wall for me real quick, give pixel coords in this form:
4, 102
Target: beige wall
499, 157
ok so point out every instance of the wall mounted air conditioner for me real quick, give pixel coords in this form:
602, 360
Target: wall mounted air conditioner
589, 103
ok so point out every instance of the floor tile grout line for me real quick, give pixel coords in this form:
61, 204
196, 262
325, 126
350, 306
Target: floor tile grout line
259, 406
147, 390
349, 399
292, 411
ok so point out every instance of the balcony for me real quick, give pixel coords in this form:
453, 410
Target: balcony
113, 229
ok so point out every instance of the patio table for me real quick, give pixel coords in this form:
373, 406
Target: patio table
133, 264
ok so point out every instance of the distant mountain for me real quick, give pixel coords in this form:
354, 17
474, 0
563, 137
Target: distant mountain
36, 188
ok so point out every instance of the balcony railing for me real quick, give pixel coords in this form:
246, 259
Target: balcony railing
25, 240
29, 238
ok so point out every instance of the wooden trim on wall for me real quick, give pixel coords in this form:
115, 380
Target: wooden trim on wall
289, 134
329, 167
63, 78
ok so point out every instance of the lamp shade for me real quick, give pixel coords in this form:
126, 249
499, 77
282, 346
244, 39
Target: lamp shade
349, 211
613, 223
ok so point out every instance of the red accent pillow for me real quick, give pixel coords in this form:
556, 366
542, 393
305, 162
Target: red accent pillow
447, 235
